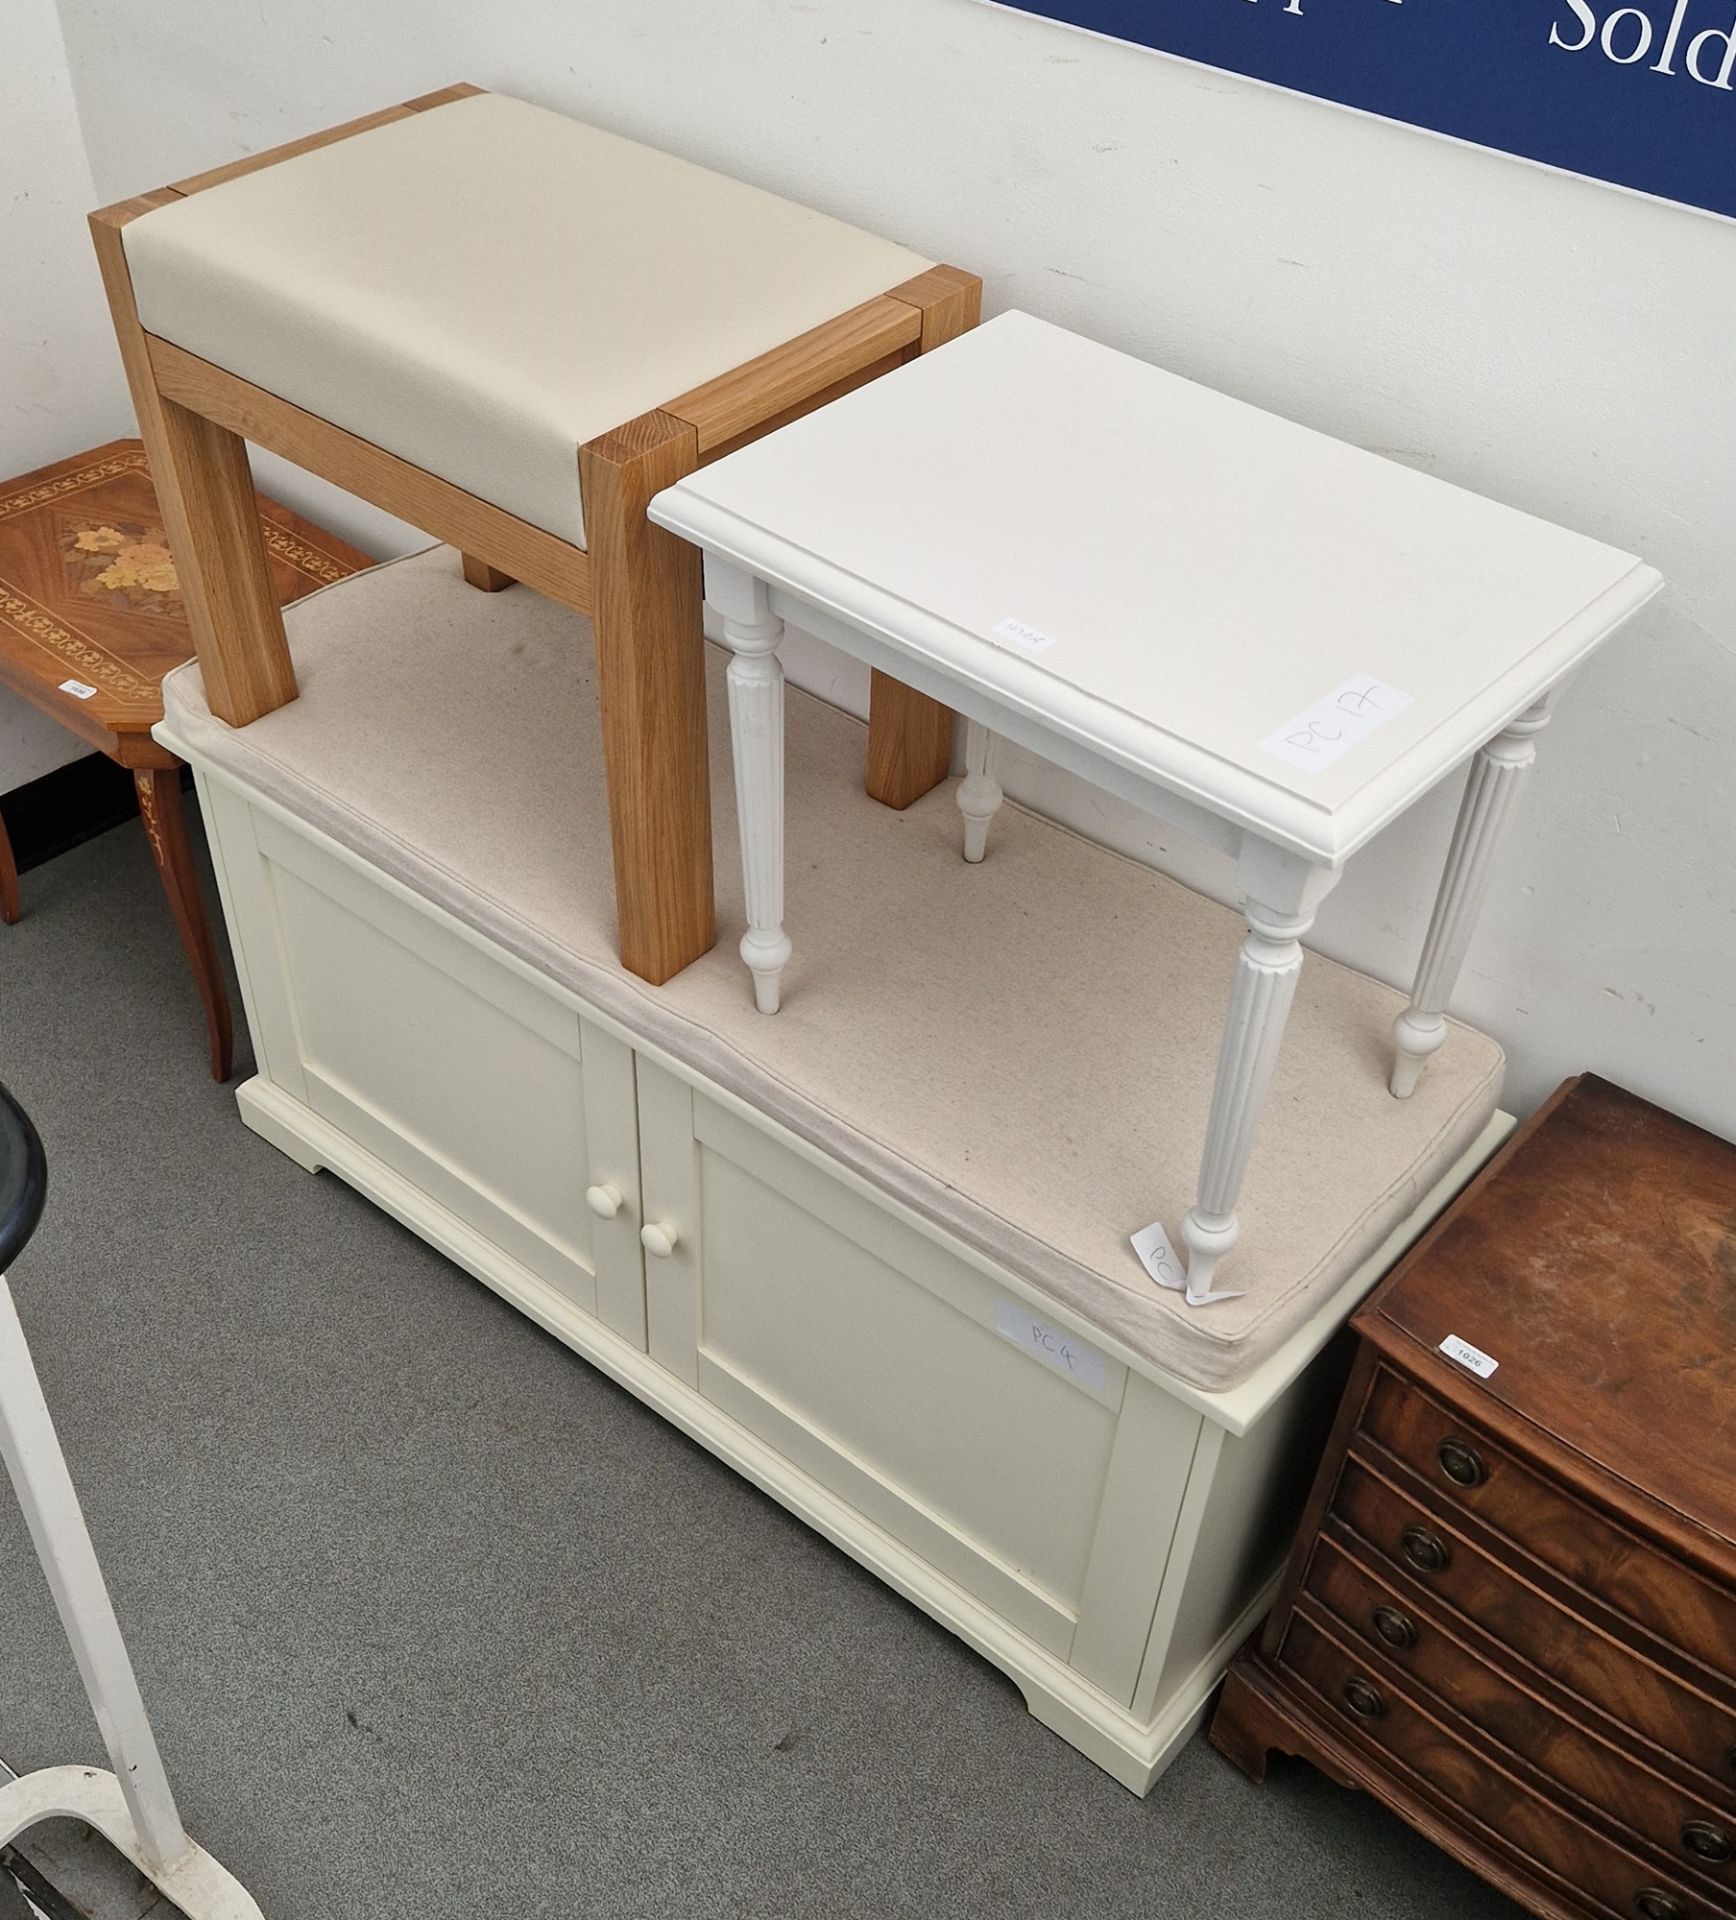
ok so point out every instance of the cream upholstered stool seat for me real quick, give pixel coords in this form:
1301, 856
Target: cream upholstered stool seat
508, 328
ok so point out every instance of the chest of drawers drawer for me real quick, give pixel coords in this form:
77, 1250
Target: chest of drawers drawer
1435, 1748
1468, 1469
1592, 1757
1439, 1562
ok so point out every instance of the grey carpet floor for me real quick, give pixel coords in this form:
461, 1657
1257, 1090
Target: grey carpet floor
434, 1620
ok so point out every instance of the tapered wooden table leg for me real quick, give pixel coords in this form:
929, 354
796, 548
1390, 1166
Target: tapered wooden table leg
159, 790
9, 903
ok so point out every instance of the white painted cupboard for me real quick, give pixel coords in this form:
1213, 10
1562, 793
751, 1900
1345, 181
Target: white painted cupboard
1104, 1538
1094, 1523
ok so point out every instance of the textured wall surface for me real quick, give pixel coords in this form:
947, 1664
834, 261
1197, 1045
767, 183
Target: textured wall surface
1553, 343
60, 384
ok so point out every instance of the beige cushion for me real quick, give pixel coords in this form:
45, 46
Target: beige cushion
484, 286
1022, 1051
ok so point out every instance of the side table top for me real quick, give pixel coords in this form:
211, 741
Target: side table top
89, 598
1595, 1262
1297, 634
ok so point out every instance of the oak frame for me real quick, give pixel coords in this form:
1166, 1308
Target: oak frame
640, 585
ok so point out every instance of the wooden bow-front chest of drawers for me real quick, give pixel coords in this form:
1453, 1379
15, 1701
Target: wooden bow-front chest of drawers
1511, 1611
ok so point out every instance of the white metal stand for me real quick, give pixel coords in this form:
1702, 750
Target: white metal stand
131, 1807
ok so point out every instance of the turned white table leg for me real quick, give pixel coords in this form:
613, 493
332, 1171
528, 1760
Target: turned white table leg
752, 633
1267, 969
979, 793
1492, 790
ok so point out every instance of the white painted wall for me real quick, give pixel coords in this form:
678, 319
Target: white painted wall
1550, 342
60, 383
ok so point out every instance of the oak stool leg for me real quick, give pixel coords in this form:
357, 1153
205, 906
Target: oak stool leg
159, 790
1492, 790
483, 577
650, 638
979, 793
1267, 969
10, 908
752, 632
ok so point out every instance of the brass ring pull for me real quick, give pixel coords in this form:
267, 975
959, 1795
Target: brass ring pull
1394, 1628
1707, 1842
1652, 1903
1462, 1464
1426, 1551
1362, 1697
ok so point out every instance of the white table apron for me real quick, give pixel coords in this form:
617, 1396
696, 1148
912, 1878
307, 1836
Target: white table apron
1281, 889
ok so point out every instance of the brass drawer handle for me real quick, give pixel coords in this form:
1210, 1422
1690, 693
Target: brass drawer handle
1362, 1697
1462, 1464
1426, 1551
1394, 1628
1652, 1903
1707, 1842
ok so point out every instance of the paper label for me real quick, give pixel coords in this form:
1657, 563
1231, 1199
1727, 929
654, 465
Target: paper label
1159, 1258
1030, 638
77, 689
1062, 1351
1333, 725
1473, 1359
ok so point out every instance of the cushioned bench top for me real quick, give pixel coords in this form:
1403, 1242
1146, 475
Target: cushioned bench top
482, 287
1023, 1051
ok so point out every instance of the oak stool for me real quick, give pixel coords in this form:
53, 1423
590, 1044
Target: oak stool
510, 329
1253, 632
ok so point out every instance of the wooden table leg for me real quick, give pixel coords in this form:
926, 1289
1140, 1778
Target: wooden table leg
159, 790
1267, 969
650, 634
1492, 788
10, 908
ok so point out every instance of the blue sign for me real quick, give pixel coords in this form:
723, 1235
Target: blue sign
1642, 94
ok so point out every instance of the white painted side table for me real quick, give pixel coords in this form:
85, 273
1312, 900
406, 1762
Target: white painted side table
1256, 633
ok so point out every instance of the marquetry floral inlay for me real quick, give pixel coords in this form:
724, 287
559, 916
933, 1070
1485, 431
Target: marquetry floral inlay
129, 563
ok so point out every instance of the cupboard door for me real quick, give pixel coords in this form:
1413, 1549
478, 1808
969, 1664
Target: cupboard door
487, 1092
939, 1405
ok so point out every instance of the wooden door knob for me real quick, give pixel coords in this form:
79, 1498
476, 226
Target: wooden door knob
659, 1238
603, 1200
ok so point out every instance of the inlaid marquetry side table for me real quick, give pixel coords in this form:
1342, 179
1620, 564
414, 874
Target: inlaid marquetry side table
91, 619
1262, 636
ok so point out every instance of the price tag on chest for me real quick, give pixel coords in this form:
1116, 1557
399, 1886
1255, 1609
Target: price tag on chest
1472, 1359
1055, 1347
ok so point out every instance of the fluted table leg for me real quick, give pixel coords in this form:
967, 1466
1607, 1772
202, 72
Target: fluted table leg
1492, 789
1267, 969
752, 632
979, 793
